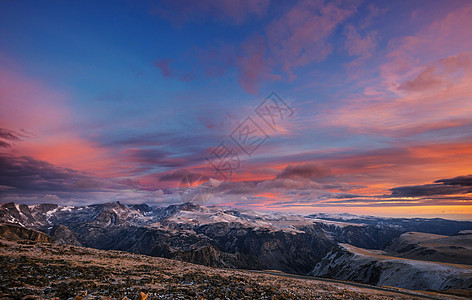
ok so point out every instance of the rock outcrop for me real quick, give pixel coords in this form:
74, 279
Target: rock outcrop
16, 232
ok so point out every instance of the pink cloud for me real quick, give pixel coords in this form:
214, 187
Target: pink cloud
443, 38
443, 72
356, 45
299, 37
362, 47
352, 174
28, 104
374, 11
253, 64
418, 91
381, 169
164, 66
43, 117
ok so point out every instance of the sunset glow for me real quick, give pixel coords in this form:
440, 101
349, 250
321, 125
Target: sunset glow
106, 103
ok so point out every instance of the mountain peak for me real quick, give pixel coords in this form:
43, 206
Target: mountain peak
187, 206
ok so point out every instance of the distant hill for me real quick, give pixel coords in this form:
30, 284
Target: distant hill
435, 225
16, 232
451, 249
379, 268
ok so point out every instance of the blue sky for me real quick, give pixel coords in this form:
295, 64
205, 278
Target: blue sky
128, 93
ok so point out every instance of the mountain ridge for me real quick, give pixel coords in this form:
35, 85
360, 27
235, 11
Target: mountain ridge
220, 236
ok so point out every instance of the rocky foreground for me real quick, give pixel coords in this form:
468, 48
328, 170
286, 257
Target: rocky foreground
42, 270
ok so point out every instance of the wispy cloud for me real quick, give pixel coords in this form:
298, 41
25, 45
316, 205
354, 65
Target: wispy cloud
297, 38
7, 137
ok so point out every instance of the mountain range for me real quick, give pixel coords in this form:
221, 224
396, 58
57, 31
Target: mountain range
380, 251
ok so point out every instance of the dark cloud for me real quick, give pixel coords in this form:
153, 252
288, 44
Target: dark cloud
30, 181
151, 152
459, 180
238, 188
4, 144
275, 185
427, 190
452, 186
317, 198
154, 157
27, 175
343, 187
453, 191
308, 170
181, 174
27, 179
299, 192
8, 136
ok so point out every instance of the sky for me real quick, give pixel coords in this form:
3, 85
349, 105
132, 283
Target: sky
361, 107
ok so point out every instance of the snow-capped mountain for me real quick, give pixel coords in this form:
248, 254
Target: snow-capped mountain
435, 225
222, 237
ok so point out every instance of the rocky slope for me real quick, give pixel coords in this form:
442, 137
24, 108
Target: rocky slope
16, 232
376, 267
31, 270
63, 235
432, 247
